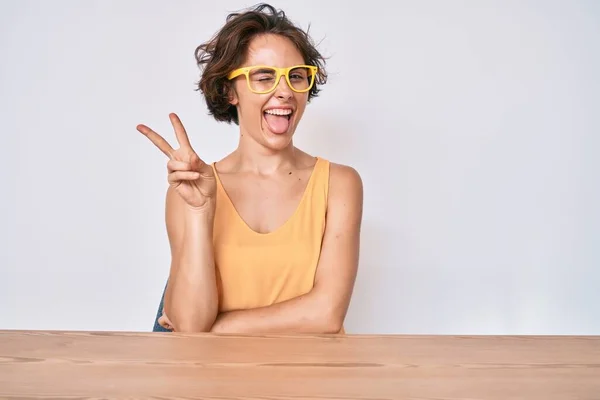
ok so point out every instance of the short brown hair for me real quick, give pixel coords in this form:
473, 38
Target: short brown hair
227, 49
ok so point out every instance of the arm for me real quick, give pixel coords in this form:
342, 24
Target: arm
324, 308
191, 294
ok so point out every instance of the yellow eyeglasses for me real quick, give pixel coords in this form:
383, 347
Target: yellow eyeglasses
264, 79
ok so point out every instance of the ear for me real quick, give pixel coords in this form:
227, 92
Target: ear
232, 96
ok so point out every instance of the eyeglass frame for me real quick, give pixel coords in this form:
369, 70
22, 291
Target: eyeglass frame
279, 73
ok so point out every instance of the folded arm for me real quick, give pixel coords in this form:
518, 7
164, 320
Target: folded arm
324, 308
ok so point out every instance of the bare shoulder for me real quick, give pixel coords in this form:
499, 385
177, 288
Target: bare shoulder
344, 182
345, 200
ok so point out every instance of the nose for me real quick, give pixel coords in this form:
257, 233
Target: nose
283, 91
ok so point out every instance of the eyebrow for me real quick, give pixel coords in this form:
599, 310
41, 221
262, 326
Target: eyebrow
264, 71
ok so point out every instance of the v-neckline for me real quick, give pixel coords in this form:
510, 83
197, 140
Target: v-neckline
288, 221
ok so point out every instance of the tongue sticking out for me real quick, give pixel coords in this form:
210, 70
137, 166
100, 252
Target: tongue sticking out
278, 124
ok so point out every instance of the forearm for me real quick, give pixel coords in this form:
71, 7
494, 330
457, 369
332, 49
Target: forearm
191, 298
310, 313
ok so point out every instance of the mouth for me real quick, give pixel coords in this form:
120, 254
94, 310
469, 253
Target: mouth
278, 119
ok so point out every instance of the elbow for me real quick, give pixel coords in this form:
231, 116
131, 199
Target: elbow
332, 326
330, 320
192, 327
196, 322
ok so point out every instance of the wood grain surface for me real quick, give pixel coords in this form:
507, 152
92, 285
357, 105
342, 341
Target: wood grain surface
111, 365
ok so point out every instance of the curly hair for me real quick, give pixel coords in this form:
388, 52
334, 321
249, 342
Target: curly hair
227, 49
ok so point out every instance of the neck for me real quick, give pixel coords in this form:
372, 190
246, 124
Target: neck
254, 157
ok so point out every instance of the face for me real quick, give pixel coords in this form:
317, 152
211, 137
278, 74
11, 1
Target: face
260, 115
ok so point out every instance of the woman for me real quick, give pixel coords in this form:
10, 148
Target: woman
266, 239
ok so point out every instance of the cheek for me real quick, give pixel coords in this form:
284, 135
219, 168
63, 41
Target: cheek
251, 104
301, 101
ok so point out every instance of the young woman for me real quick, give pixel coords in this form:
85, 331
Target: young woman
266, 239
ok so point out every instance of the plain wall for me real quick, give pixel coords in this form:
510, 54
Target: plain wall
474, 125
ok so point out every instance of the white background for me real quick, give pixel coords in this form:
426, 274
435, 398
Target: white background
474, 125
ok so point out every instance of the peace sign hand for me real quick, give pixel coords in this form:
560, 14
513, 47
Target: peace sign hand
192, 178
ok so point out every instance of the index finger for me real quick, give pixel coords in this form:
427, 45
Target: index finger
158, 140
180, 132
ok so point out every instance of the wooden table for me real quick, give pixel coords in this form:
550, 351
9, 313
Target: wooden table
78, 365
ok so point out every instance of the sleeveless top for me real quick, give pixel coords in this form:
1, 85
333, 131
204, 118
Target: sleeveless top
260, 269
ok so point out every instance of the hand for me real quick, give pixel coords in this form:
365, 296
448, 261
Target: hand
192, 178
165, 322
